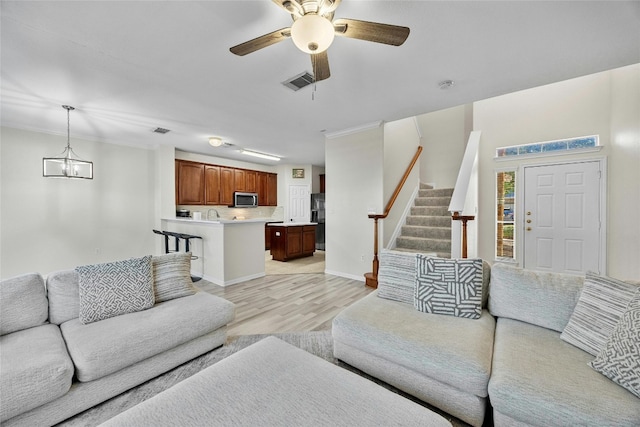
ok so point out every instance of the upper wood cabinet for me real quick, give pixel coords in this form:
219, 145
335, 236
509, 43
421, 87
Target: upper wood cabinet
205, 184
189, 183
251, 181
227, 185
211, 185
272, 189
240, 180
262, 188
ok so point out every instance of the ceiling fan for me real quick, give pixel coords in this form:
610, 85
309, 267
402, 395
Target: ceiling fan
314, 28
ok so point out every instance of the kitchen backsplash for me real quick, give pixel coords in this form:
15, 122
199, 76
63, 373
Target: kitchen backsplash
275, 213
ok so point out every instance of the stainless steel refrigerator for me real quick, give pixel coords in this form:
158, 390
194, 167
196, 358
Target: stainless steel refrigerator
317, 215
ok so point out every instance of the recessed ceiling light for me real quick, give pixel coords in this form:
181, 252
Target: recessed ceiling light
446, 84
215, 141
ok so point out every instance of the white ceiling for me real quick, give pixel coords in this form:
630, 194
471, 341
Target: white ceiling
131, 66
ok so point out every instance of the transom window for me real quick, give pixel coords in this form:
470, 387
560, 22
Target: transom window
550, 147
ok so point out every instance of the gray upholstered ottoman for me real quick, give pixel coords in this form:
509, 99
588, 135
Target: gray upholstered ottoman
272, 383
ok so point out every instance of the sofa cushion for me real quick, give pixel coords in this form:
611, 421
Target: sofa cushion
450, 287
23, 303
35, 368
397, 275
452, 350
601, 303
543, 299
172, 276
101, 348
541, 380
63, 292
619, 360
115, 288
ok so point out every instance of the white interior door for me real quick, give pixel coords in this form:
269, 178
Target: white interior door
562, 217
299, 203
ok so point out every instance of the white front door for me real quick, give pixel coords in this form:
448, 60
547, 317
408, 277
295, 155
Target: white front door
299, 203
562, 217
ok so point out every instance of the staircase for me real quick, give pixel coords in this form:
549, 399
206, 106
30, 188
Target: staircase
428, 226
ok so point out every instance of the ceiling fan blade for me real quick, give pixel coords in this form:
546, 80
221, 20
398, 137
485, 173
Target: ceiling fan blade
371, 31
261, 42
320, 66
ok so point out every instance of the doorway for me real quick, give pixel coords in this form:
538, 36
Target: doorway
564, 224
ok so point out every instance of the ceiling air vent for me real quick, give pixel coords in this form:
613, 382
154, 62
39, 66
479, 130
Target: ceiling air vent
161, 130
299, 81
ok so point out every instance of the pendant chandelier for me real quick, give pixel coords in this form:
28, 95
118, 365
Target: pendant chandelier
68, 165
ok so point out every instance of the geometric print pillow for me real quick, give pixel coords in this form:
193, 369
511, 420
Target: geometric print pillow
601, 303
619, 360
115, 288
451, 287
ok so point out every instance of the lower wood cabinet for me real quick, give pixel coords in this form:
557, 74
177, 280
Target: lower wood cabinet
292, 241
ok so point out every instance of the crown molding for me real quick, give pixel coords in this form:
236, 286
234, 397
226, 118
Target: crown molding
351, 131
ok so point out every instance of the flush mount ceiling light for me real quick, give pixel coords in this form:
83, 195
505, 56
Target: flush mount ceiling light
68, 165
260, 155
215, 141
312, 33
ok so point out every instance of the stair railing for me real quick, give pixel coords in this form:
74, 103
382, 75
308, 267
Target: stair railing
464, 197
371, 279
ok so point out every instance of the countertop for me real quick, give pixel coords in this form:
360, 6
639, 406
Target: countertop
292, 224
217, 221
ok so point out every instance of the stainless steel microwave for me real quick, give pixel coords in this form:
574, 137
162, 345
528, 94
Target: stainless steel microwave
245, 200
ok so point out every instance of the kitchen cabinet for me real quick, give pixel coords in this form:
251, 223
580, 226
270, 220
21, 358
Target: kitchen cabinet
240, 178
205, 184
272, 189
289, 240
189, 183
267, 234
227, 185
211, 185
251, 181
262, 188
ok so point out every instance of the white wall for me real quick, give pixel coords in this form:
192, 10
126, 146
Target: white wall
444, 138
354, 180
606, 104
401, 141
51, 224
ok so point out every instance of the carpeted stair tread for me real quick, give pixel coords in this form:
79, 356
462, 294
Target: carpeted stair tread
429, 221
426, 232
433, 201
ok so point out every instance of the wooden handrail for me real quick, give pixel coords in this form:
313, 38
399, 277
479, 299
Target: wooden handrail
371, 279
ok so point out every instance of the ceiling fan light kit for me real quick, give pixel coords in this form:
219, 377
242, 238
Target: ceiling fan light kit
314, 29
312, 33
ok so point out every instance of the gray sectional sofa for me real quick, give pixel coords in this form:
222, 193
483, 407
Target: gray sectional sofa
512, 357
53, 366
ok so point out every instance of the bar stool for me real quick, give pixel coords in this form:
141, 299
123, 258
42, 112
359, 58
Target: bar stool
177, 236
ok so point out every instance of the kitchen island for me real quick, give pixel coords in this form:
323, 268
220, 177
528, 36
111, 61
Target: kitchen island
232, 251
291, 240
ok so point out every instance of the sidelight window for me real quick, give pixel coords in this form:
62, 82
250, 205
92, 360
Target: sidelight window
505, 214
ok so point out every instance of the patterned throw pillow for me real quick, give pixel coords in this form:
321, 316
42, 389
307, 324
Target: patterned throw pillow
600, 305
449, 286
115, 288
397, 276
619, 360
172, 276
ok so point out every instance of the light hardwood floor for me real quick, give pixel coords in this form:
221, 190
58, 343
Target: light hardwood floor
287, 302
